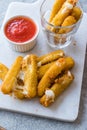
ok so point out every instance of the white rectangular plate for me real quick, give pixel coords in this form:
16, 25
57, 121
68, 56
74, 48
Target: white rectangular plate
67, 105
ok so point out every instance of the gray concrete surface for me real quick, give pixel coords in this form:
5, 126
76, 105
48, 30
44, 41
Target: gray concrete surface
16, 121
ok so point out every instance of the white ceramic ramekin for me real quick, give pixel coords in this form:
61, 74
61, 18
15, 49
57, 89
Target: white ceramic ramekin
24, 46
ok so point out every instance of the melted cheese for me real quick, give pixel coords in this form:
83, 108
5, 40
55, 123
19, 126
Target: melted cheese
50, 94
21, 75
67, 6
26, 57
39, 64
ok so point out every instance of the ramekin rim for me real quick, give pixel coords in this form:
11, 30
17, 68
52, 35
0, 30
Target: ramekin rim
21, 43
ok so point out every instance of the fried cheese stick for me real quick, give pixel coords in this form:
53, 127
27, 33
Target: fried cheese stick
76, 12
57, 88
54, 53
30, 78
65, 10
50, 57
19, 85
17, 92
56, 7
42, 70
59, 66
10, 78
70, 20
3, 71
20, 91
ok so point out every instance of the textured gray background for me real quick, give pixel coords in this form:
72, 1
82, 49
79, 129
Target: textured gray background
15, 121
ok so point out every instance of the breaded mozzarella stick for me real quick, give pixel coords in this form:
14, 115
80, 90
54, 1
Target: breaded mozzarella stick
59, 66
63, 12
76, 12
57, 88
50, 57
70, 20
42, 70
9, 81
3, 71
56, 7
30, 79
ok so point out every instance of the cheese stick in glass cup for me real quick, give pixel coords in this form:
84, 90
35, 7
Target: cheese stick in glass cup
51, 30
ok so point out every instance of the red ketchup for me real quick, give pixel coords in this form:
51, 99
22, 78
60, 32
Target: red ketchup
20, 29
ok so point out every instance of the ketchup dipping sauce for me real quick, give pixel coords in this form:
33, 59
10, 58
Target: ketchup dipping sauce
21, 30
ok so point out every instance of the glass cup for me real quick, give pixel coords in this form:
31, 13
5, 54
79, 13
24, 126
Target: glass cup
52, 35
